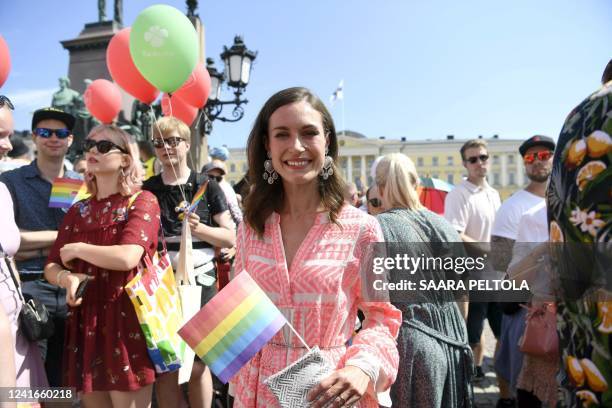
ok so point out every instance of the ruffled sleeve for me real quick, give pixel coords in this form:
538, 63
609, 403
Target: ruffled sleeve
374, 348
142, 226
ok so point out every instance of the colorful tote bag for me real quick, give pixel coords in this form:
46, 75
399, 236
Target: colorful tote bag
155, 297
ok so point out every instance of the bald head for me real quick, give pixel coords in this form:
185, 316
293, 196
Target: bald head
6, 130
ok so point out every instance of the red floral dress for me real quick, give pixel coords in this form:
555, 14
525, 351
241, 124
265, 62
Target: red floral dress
105, 348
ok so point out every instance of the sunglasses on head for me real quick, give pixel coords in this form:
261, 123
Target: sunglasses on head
217, 178
541, 156
103, 146
6, 101
172, 141
47, 133
375, 202
483, 158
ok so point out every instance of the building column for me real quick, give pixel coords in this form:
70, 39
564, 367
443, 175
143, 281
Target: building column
349, 169
364, 177
520, 175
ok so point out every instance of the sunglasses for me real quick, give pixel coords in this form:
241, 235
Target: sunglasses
170, 142
375, 202
217, 178
103, 146
6, 101
483, 158
544, 155
47, 133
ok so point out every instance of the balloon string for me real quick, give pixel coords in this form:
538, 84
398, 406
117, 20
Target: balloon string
182, 191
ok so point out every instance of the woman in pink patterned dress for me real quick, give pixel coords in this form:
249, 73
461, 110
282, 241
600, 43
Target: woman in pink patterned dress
104, 237
304, 246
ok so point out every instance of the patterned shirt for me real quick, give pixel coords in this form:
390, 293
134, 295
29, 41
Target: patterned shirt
580, 221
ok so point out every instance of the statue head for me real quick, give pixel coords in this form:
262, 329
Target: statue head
64, 83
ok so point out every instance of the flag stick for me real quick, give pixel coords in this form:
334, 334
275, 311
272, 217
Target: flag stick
343, 125
298, 335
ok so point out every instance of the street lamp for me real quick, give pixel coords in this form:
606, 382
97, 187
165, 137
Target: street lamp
238, 61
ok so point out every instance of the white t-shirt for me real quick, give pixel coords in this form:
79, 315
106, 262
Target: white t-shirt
509, 214
533, 225
471, 209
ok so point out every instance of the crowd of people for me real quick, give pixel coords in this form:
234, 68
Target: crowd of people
304, 235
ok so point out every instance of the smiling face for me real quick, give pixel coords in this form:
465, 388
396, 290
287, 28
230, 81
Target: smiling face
52, 147
297, 142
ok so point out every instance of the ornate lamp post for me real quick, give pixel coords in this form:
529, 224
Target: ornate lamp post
238, 60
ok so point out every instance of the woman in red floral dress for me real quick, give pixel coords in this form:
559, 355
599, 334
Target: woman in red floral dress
104, 238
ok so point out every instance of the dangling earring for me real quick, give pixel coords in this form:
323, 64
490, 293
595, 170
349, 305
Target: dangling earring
270, 175
328, 168
122, 175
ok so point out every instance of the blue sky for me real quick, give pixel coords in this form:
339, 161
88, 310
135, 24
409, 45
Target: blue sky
411, 69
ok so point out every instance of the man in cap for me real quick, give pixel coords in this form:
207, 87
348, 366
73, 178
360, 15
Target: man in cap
216, 170
537, 153
30, 188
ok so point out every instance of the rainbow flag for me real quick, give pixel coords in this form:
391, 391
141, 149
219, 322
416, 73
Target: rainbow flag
233, 326
67, 191
198, 197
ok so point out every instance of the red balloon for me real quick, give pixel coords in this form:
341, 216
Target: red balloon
5, 61
175, 106
103, 100
124, 72
196, 88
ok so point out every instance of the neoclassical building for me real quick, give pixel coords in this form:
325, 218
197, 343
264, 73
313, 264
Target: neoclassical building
437, 158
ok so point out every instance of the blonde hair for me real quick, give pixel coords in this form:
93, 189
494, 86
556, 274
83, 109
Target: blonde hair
398, 177
168, 124
133, 173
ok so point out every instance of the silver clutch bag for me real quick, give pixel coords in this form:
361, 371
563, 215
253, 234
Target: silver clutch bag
291, 385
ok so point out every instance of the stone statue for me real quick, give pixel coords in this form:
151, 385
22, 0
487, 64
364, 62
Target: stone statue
192, 5
66, 99
118, 12
101, 10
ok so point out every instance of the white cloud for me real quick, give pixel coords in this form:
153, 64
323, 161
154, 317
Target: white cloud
31, 99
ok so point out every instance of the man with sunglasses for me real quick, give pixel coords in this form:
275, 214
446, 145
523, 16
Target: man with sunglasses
211, 226
30, 188
470, 207
537, 153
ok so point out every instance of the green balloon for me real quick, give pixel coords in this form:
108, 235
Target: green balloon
164, 46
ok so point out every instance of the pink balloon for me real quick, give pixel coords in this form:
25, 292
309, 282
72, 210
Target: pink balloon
124, 72
5, 61
174, 106
103, 100
196, 88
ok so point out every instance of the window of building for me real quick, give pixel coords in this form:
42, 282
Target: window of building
511, 159
511, 179
449, 160
435, 175
496, 159
232, 167
450, 179
434, 161
244, 167
420, 161
496, 179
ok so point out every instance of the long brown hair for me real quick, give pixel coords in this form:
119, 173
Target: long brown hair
264, 198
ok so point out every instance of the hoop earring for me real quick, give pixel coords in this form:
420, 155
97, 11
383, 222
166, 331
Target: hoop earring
328, 168
270, 175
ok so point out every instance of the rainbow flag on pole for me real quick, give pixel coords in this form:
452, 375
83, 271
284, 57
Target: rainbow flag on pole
198, 197
233, 326
67, 191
